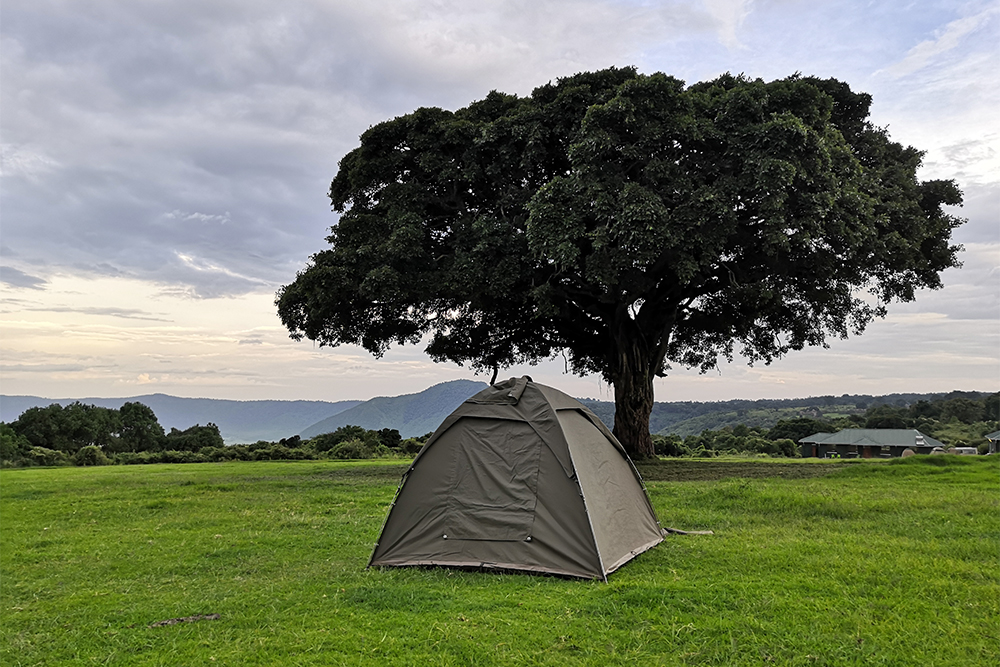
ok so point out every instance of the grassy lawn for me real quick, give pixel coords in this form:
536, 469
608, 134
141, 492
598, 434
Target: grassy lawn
861, 564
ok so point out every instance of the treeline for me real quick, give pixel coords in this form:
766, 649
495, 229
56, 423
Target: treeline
79, 434
88, 435
958, 421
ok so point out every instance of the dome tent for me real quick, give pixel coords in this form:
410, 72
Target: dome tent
520, 477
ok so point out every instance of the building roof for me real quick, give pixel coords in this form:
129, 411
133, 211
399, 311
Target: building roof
875, 437
995, 435
816, 438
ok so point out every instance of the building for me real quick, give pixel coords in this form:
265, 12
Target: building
994, 440
868, 443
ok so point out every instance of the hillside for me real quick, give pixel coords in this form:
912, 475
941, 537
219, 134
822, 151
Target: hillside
416, 414
238, 421
690, 417
410, 414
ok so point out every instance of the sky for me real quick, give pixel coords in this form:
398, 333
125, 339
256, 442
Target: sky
165, 168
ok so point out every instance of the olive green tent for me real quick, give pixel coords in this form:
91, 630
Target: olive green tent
520, 477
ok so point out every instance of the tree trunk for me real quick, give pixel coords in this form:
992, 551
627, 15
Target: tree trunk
632, 377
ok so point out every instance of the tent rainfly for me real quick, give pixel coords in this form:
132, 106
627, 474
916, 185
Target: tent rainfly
520, 477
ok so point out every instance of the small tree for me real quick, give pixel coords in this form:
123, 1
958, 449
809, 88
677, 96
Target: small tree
140, 431
91, 455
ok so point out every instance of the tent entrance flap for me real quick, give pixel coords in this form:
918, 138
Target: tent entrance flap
494, 480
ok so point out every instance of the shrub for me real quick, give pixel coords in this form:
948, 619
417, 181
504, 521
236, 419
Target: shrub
13, 445
91, 455
351, 449
195, 438
669, 445
42, 456
174, 456
411, 446
216, 454
281, 453
131, 458
788, 448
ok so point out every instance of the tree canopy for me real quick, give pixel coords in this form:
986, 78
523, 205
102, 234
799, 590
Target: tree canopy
629, 222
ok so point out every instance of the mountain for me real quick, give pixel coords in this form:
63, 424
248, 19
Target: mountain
238, 421
416, 414
410, 414
691, 417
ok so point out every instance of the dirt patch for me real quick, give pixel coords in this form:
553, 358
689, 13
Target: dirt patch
186, 619
687, 470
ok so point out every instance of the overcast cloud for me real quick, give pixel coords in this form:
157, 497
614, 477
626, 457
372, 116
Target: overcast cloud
160, 154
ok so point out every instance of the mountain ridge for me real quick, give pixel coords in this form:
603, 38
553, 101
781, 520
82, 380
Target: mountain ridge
422, 412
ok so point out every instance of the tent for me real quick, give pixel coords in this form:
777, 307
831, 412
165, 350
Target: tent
520, 477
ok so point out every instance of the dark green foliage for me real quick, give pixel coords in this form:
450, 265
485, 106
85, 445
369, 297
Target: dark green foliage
70, 428
796, 429
628, 221
140, 431
787, 447
328, 441
352, 449
669, 445
89, 434
42, 456
953, 418
885, 416
962, 410
389, 437
411, 446
194, 438
91, 455
281, 453
13, 445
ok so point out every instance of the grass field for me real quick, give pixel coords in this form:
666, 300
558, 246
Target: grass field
810, 564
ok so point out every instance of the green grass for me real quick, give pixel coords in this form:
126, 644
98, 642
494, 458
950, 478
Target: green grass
863, 564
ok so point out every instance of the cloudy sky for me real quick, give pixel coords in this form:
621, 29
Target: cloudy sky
165, 168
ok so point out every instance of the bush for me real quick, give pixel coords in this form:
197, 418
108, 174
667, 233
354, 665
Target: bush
194, 439
669, 445
174, 456
217, 454
13, 445
132, 458
411, 446
352, 449
42, 456
281, 453
91, 455
788, 448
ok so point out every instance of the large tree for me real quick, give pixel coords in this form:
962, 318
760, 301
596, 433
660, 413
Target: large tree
628, 222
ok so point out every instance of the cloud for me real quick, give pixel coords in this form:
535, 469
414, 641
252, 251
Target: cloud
729, 15
188, 147
950, 37
16, 278
123, 313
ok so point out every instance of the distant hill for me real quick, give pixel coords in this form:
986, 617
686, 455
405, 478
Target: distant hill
690, 417
410, 414
238, 421
416, 414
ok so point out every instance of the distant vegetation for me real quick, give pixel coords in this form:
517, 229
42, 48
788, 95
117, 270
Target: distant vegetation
957, 419
88, 435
